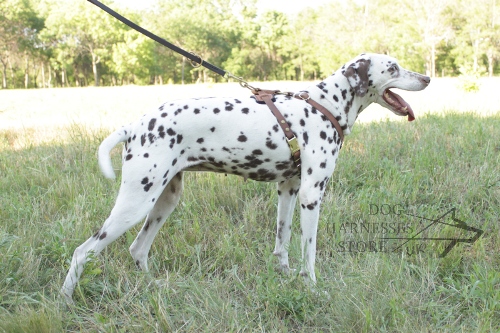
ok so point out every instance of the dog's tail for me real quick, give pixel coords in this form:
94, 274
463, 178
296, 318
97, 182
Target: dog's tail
112, 140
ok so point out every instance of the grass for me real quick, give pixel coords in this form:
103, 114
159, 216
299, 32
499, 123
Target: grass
212, 267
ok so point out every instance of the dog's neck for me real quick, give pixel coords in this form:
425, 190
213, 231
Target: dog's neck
335, 94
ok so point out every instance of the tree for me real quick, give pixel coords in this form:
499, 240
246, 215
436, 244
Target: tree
19, 28
83, 29
431, 20
478, 35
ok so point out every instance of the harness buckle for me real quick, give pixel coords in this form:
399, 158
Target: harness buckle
294, 145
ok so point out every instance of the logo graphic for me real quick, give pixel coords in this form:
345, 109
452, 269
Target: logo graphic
442, 220
400, 231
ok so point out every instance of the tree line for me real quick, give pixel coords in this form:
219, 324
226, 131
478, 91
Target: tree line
51, 43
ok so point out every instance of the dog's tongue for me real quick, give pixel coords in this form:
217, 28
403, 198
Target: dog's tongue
402, 105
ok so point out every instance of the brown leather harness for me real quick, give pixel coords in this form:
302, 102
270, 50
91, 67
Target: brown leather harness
267, 96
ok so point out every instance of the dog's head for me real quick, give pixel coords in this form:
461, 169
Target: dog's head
376, 74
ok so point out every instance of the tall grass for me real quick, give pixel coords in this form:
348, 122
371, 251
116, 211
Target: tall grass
212, 267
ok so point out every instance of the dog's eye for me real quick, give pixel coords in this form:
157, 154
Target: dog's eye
393, 68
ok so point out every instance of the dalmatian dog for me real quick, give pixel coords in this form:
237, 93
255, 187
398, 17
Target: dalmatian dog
241, 137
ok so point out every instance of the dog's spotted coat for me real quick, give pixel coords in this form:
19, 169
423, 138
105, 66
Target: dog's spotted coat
241, 137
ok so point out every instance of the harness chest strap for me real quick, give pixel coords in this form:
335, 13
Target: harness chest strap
267, 96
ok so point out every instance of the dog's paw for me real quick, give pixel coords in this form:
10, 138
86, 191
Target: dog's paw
286, 270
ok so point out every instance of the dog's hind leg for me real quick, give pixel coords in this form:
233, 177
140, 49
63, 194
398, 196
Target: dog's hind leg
130, 208
164, 206
287, 195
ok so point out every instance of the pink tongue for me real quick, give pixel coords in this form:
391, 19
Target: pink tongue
411, 115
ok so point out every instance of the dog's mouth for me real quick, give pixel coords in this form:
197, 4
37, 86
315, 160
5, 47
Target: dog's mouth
398, 104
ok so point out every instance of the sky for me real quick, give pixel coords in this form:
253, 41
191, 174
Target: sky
286, 6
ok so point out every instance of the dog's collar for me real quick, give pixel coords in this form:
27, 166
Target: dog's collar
305, 97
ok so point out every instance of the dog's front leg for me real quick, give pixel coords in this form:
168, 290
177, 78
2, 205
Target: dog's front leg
287, 195
310, 201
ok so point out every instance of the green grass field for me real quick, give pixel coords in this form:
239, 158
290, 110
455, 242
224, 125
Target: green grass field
212, 268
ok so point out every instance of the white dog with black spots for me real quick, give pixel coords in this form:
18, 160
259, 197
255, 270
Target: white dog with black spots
241, 137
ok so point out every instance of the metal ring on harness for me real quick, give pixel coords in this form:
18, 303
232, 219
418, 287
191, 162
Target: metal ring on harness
299, 96
195, 64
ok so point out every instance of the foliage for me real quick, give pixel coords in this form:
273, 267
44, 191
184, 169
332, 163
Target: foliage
46, 43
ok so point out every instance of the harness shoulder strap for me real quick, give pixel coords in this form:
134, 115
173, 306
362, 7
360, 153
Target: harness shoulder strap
267, 97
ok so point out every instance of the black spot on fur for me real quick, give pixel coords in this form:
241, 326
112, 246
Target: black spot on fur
143, 139
282, 165
270, 144
242, 138
216, 110
161, 131
305, 136
276, 128
147, 186
152, 123
174, 161
302, 122
212, 129
257, 152
151, 137
145, 180
171, 132
344, 93
312, 205
164, 114
245, 110
179, 138
103, 235
128, 157
322, 135
196, 111
309, 171
146, 155
200, 140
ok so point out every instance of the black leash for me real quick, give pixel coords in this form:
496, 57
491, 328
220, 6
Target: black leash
195, 59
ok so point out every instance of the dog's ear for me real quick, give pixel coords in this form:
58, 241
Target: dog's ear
357, 75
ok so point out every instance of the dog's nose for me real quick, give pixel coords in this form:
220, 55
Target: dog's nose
425, 79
